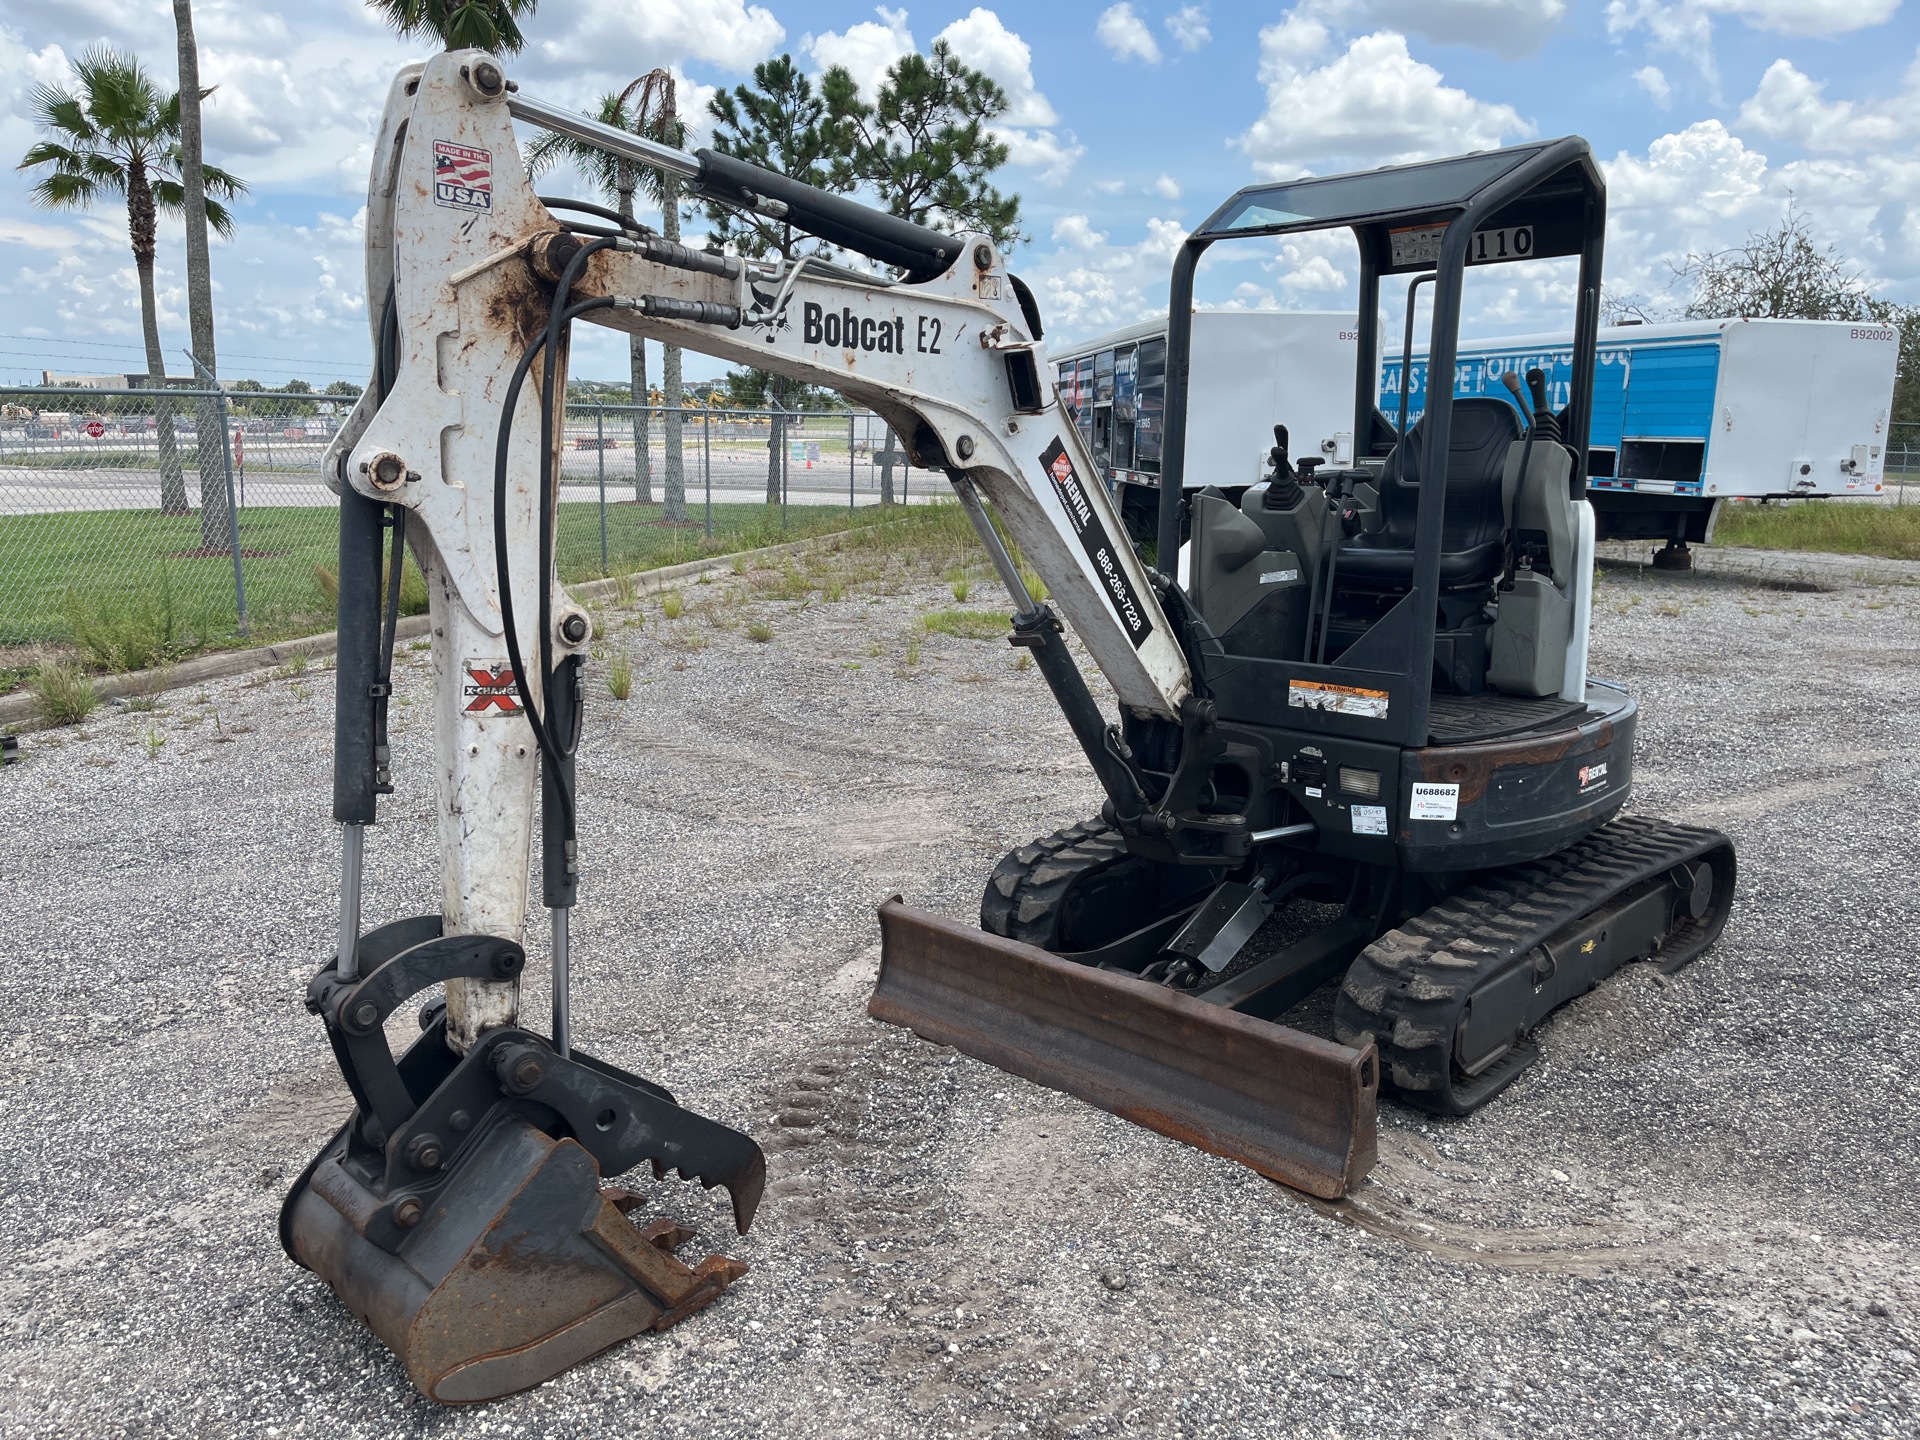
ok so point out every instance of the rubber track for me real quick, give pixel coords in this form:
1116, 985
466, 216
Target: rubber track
1025, 892
1408, 989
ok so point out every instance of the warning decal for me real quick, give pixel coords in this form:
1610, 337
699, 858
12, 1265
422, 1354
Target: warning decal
1341, 699
1094, 540
462, 176
489, 688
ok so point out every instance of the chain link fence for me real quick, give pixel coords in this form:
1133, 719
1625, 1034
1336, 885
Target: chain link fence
1903, 457
141, 524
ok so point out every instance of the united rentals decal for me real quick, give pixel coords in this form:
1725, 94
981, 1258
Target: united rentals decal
489, 687
462, 176
1093, 539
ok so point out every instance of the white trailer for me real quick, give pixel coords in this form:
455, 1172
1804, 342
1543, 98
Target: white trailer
1690, 414
1251, 369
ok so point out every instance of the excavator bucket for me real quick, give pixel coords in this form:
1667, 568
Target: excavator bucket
1296, 1108
459, 1211
524, 1268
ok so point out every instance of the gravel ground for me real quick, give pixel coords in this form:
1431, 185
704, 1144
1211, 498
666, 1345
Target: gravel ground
1696, 1216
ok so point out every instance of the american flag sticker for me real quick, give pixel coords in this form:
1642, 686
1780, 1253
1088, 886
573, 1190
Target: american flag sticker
462, 176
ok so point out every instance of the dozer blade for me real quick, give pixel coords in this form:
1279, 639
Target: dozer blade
519, 1268
1296, 1108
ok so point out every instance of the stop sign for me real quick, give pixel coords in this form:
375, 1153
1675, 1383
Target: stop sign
96, 429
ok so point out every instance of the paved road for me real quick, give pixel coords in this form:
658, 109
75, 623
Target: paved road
741, 479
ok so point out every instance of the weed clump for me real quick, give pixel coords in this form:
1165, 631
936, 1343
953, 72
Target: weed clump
62, 694
965, 624
137, 630
620, 676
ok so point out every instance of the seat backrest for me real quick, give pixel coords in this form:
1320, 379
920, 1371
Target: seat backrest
1483, 429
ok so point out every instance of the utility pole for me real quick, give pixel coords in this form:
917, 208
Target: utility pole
209, 439
656, 115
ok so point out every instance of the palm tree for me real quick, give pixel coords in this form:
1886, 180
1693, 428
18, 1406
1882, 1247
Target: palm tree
460, 24
622, 179
116, 136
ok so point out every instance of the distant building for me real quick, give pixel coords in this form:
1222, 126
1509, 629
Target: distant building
111, 382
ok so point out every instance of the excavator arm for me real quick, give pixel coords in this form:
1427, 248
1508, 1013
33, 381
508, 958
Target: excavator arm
485, 1134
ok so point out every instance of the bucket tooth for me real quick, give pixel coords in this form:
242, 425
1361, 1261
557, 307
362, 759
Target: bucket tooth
1296, 1108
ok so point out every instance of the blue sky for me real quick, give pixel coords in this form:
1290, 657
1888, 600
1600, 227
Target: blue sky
1129, 122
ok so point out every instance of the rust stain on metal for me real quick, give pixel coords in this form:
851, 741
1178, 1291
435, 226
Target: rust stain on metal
1296, 1108
516, 302
1472, 767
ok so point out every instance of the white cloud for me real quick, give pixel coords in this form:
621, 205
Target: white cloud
1370, 104
592, 36
1123, 32
1167, 188
1312, 267
35, 236
1089, 284
1077, 232
1685, 27
981, 40
1788, 105
866, 50
1703, 188
1188, 26
1806, 17
1506, 27
1050, 155
1653, 80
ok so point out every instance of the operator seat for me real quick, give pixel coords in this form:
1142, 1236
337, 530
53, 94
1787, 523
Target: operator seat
1473, 527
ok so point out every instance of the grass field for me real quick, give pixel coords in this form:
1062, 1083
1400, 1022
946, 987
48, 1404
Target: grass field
1844, 527
67, 578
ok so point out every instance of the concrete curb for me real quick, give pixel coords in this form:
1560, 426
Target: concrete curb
1798, 569
17, 710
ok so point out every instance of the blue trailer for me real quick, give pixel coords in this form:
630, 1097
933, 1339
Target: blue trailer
1688, 415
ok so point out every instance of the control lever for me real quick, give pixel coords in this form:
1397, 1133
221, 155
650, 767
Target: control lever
1283, 486
1543, 418
1278, 456
1512, 382
1533, 423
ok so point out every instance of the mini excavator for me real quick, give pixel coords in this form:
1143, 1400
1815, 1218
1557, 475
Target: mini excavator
1365, 711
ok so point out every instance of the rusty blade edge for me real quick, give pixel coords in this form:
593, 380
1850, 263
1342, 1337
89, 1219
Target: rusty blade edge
1292, 1106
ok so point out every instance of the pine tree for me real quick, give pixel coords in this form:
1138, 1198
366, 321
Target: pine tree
925, 146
